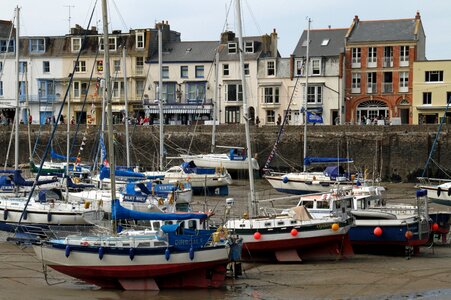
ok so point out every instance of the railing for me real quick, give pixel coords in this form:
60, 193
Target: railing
388, 87
388, 62
371, 89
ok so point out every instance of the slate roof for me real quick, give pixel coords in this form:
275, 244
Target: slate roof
335, 46
383, 31
187, 52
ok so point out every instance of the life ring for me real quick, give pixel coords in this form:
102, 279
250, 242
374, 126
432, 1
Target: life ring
439, 191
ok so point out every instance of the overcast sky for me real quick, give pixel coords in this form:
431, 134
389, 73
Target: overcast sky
198, 20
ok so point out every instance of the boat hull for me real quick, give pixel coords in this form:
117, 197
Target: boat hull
148, 269
220, 161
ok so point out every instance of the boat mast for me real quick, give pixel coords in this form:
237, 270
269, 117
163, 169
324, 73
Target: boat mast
16, 140
107, 90
252, 203
215, 103
160, 93
306, 93
127, 138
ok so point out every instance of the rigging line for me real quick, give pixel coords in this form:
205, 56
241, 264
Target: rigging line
74, 139
253, 18
120, 15
224, 28
7, 46
47, 148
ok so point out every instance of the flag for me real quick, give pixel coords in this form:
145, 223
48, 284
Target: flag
314, 118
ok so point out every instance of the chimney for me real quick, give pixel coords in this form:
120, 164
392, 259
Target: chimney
165, 30
274, 43
417, 16
266, 44
228, 36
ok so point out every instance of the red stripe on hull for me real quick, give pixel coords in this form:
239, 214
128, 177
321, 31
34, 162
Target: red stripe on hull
190, 275
326, 247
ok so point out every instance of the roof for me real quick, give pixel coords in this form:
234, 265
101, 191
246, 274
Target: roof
383, 31
188, 52
334, 47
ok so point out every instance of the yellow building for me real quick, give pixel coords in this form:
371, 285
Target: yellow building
431, 91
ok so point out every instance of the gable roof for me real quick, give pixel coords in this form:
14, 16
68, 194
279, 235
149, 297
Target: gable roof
383, 31
334, 47
203, 51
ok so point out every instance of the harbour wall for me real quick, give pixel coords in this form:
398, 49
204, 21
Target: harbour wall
390, 153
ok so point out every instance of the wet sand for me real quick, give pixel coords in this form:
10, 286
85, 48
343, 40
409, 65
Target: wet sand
426, 276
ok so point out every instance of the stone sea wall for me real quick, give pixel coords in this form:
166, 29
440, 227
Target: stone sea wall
396, 153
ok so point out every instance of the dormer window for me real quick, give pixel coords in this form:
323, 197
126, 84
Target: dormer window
37, 45
325, 42
75, 44
249, 47
112, 42
139, 39
271, 68
232, 48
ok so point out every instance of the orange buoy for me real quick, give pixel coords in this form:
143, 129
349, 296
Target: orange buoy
377, 231
335, 227
294, 232
257, 235
434, 227
409, 234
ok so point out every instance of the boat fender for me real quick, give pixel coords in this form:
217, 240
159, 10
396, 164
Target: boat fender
67, 251
167, 254
449, 192
285, 179
101, 253
25, 215
87, 204
439, 191
191, 253
5, 214
49, 217
131, 253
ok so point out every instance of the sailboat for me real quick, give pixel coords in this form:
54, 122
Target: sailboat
310, 182
181, 257
292, 236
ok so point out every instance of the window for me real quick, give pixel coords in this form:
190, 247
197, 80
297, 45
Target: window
46, 89
356, 56
270, 117
22, 90
427, 98
234, 92
325, 42
100, 66
403, 82
168, 92
80, 66
371, 83
433, 76
315, 94
184, 72
404, 56
76, 44
249, 47
316, 66
4, 47
165, 72
271, 68
139, 88
118, 89
140, 40
46, 66
112, 43
1, 66
195, 92
355, 83
1, 88
139, 65
232, 114
117, 65
232, 48
37, 45
388, 82
225, 70
271, 95
22, 67
246, 69
372, 57
199, 71
299, 67
388, 56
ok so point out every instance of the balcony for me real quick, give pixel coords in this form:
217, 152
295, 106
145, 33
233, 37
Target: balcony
356, 63
388, 62
355, 90
404, 62
388, 87
371, 88
372, 63
269, 105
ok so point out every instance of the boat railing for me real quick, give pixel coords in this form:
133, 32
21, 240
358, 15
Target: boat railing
432, 181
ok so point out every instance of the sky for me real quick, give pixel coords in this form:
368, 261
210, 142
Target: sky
204, 20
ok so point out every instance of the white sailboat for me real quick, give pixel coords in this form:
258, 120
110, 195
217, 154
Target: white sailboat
284, 237
182, 257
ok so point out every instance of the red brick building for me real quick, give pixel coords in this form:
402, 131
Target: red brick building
379, 69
